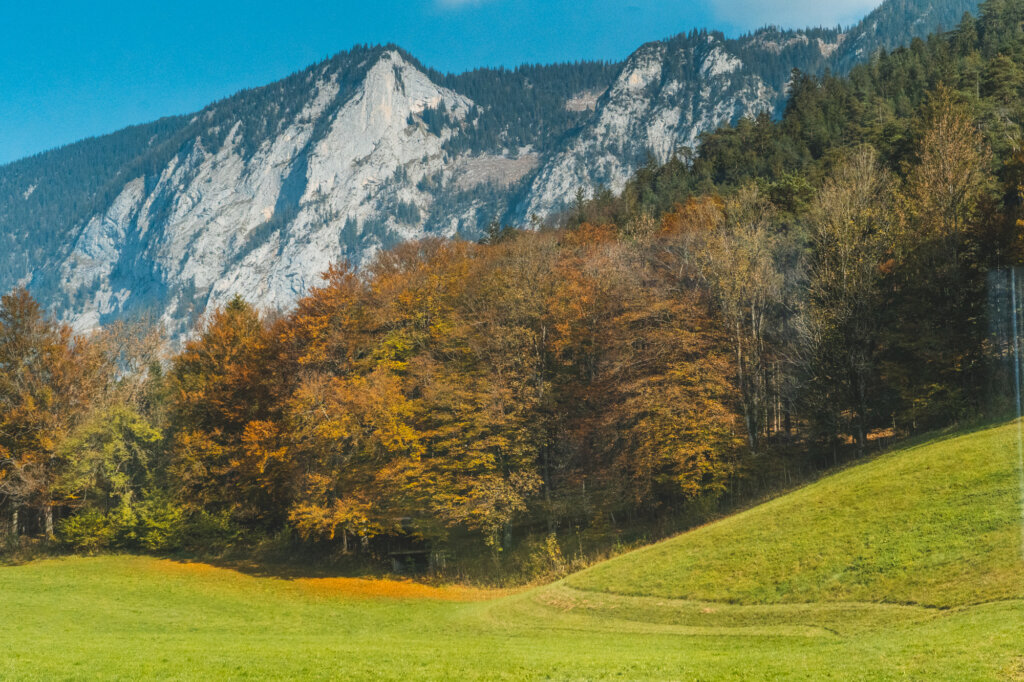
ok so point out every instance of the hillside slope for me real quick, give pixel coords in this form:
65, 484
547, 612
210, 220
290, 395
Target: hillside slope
909, 565
938, 524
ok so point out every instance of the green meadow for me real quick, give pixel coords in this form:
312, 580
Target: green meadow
908, 566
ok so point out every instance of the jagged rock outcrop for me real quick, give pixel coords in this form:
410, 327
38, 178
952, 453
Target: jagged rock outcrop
667, 94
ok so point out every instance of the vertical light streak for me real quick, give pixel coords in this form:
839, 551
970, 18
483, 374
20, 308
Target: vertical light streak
1016, 391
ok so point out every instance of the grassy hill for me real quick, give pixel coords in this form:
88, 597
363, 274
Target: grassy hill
938, 524
908, 566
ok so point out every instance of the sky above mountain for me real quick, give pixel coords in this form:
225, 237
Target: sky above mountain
70, 69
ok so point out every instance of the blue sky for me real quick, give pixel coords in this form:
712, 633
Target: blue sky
71, 69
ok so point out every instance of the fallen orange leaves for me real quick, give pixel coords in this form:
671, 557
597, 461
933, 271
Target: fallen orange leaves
396, 589
365, 588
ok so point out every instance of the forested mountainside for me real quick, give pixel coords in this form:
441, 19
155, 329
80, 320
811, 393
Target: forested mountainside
258, 193
807, 288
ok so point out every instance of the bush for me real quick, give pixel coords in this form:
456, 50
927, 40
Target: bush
160, 525
544, 558
211, 531
155, 524
87, 531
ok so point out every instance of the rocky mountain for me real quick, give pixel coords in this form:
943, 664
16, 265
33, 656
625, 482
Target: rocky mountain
258, 193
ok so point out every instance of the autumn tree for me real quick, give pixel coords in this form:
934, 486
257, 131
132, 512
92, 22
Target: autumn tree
852, 233
936, 292
741, 264
412, 431
512, 336
47, 381
670, 420
226, 451
358, 449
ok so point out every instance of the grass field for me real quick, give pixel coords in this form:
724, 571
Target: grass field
905, 567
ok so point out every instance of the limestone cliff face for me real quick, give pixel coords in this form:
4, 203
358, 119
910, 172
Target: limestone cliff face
263, 223
257, 194
667, 95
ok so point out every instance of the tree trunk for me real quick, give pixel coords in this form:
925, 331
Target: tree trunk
748, 419
546, 483
48, 518
862, 412
14, 523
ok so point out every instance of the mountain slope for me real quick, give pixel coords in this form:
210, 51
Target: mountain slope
256, 194
671, 92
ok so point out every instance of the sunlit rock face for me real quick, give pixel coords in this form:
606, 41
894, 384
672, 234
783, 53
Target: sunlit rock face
257, 194
666, 96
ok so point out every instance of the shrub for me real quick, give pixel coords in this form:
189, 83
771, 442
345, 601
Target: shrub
160, 524
544, 558
211, 531
87, 531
